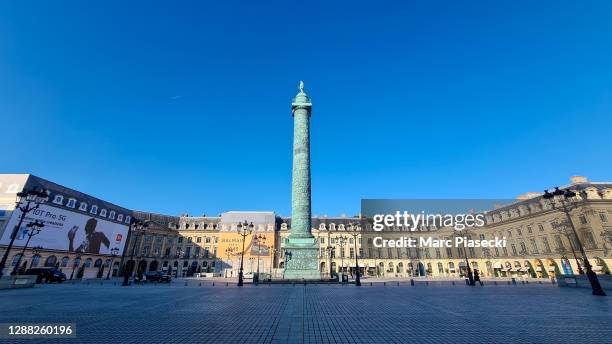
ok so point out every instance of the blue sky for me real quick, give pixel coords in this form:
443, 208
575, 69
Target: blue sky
185, 107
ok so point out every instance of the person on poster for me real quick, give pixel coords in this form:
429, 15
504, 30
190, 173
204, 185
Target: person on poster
93, 240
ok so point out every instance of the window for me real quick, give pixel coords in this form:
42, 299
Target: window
322, 240
58, 199
180, 240
2, 211
546, 245
519, 232
120, 217
541, 227
513, 249
111, 215
71, 203
523, 248
128, 218
51, 261
529, 229
207, 240
98, 263
189, 239
103, 212
199, 239
35, 261
16, 258
87, 263
603, 217
94, 209
583, 219
83, 206
64, 262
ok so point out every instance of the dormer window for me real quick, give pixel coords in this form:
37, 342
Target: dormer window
128, 219
83, 206
94, 209
103, 212
120, 217
58, 199
71, 203
111, 215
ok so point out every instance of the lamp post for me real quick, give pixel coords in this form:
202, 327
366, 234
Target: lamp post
114, 251
468, 269
258, 238
77, 261
27, 201
244, 229
354, 229
138, 228
563, 230
34, 228
564, 198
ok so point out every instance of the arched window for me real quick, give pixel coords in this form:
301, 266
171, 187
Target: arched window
107, 263
77, 262
120, 217
98, 263
71, 203
50, 261
94, 209
103, 212
64, 262
88, 262
128, 219
16, 258
111, 215
83, 206
35, 261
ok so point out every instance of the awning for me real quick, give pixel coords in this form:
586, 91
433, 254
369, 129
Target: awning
551, 268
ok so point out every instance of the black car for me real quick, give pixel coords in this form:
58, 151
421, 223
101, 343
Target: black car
47, 275
157, 276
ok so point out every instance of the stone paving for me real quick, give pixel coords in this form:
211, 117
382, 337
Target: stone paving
313, 314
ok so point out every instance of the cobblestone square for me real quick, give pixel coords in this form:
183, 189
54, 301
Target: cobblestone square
313, 313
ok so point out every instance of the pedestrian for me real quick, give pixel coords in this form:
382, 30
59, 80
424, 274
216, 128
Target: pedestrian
477, 277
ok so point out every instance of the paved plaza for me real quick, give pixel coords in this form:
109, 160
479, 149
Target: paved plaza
313, 313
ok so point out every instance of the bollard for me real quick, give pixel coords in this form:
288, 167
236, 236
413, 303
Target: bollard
412, 282
213, 284
385, 284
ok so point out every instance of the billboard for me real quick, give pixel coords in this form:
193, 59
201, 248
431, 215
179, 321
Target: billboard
68, 231
233, 241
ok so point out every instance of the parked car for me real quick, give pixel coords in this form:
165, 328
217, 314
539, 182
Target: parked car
47, 275
157, 276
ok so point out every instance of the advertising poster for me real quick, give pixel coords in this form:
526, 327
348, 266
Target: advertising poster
68, 231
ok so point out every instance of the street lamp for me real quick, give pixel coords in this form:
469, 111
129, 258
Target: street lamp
33, 228
564, 198
114, 252
257, 238
354, 233
562, 228
27, 201
77, 261
137, 228
244, 229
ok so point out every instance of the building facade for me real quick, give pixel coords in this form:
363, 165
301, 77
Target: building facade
539, 243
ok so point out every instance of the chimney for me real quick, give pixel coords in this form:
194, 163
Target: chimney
578, 179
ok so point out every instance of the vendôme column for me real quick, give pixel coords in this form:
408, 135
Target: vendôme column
301, 251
